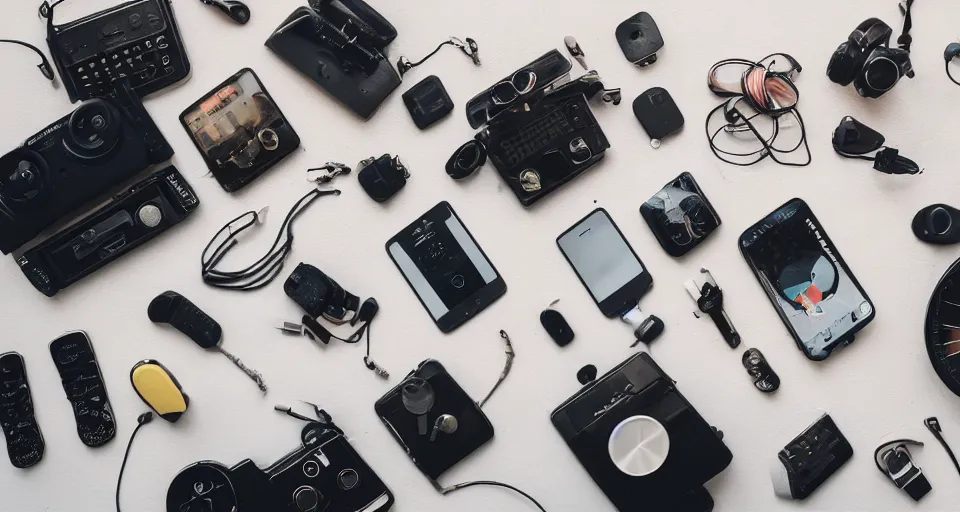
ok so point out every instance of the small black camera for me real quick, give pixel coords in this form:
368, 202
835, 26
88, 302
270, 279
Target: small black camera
319, 295
74, 160
324, 473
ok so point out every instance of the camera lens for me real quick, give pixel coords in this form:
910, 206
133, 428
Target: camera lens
93, 129
882, 74
23, 176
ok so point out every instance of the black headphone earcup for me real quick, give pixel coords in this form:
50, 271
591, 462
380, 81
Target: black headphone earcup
845, 63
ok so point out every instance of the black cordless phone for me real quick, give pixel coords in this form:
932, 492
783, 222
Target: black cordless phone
83, 383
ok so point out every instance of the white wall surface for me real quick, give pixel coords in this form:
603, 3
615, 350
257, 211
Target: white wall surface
880, 387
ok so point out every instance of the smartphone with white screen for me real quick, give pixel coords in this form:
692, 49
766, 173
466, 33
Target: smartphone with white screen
605, 263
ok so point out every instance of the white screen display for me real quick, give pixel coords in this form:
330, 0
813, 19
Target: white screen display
600, 255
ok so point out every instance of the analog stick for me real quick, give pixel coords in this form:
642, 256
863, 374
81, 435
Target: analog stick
23, 177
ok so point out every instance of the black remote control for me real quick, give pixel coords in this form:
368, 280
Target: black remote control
24, 440
83, 383
172, 308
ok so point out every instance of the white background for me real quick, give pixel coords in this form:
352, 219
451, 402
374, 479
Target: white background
880, 387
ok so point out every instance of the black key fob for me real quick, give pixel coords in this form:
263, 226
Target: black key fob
640, 39
937, 224
764, 378
83, 383
428, 102
381, 178
25, 444
658, 114
557, 327
175, 309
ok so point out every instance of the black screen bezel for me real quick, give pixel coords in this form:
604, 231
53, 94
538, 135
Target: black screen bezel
477, 302
627, 296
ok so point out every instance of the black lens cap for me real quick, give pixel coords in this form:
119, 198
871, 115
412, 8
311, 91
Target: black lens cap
937, 224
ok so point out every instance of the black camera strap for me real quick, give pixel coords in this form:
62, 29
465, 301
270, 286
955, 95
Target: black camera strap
264, 270
905, 39
44, 65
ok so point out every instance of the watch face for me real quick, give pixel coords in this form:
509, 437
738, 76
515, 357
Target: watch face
942, 332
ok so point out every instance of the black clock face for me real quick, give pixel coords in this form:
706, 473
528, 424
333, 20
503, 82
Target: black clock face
943, 329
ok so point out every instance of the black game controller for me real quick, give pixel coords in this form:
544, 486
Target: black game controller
74, 160
324, 474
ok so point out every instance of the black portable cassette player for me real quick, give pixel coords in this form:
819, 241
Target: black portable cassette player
641, 441
130, 220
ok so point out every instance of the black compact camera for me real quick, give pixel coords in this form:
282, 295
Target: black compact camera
867, 61
319, 295
541, 135
341, 45
324, 474
74, 160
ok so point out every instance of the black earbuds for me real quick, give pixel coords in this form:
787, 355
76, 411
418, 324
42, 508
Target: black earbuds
951, 52
236, 10
145, 418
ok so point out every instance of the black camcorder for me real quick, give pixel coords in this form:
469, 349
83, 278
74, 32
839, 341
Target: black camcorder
81, 156
324, 474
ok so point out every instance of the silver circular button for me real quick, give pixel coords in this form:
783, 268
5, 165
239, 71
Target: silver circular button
150, 215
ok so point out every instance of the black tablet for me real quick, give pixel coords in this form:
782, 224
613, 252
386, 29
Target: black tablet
446, 268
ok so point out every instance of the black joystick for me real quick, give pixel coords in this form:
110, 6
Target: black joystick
937, 224
234, 9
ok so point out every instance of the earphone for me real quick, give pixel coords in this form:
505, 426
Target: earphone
951, 52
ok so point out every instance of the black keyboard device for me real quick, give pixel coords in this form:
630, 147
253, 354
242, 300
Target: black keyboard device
137, 40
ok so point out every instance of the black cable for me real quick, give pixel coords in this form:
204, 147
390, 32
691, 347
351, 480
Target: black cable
448, 490
933, 425
266, 269
950, 75
768, 149
905, 39
144, 418
44, 65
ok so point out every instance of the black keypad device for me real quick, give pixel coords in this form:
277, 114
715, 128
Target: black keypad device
83, 383
137, 40
25, 444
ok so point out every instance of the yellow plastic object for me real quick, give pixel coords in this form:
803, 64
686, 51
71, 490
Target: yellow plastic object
159, 389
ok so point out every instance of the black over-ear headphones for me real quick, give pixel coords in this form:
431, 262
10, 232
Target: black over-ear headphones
867, 61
